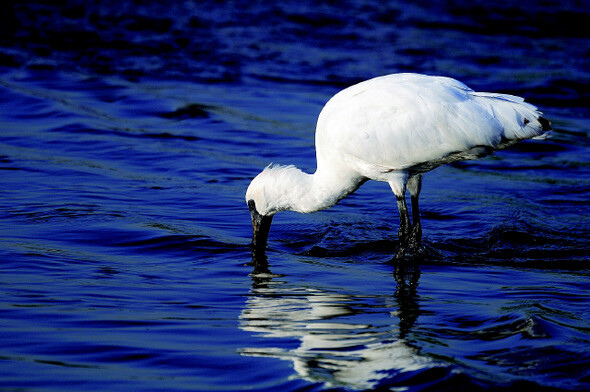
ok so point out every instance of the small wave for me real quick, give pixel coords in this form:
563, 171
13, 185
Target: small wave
81, 129
193, 110
178, 242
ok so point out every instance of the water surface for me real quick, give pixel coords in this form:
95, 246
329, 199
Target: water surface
128, 136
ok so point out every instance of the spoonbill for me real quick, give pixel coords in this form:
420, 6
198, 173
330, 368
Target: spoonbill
393, 129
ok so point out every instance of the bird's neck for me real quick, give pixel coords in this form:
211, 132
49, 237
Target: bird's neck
313, 192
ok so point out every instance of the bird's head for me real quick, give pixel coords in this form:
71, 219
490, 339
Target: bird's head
259, 198
271, 191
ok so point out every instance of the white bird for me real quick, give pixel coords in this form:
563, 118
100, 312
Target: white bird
392, 128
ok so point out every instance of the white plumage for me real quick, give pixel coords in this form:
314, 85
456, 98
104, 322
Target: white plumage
392, 128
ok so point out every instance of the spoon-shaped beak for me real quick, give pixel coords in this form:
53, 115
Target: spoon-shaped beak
260, 227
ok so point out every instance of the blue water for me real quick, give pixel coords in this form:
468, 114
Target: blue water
129, 133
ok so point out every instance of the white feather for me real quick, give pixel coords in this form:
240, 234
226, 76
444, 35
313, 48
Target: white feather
389, 128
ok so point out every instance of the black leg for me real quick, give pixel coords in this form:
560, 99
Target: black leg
405, 226
415, 240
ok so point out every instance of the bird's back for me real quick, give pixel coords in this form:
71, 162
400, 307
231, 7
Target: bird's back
400, 121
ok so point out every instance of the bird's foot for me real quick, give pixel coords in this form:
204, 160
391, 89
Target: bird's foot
413, 256
407, 254
401, 254
410, 243
415, 240
410, 251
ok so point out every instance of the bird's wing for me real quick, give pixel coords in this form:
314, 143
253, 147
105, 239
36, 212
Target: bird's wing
403, 121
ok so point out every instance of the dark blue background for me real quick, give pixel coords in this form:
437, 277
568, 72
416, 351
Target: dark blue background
129, 132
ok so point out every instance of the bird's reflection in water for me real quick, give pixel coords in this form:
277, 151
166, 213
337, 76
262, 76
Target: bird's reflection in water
406, 275
333, 337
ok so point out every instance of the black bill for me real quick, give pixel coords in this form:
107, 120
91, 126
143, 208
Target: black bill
260, 227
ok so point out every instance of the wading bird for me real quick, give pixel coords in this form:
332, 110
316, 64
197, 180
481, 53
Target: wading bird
392, 128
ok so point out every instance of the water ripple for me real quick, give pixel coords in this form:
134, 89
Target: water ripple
129, 133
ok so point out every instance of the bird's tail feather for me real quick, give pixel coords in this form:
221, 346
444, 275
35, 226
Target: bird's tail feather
520, 119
